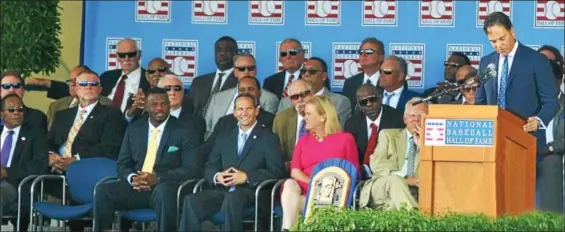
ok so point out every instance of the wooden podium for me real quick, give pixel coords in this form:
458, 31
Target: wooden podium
465, 169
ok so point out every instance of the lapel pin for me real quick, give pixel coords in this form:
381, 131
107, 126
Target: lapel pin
91, 117
23, 138
254, 136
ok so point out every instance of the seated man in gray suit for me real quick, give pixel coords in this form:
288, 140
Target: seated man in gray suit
315, 72
221, 103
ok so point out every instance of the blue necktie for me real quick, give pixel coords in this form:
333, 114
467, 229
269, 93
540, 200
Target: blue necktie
303, 130
241, 143
388, 97
502, 88
6, 148
411, 159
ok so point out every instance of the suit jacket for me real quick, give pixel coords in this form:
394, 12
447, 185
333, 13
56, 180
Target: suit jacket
201, 87
558, 133
261, 157
35, 118
275, 83
341, 104
176, 156
30, 155
405, 96
64, 103
357, 126
58, 90
221, 101
531, 89
284, 126
99, 136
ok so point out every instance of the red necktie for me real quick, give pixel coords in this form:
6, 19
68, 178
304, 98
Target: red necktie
371, 144
285, 92
119, 94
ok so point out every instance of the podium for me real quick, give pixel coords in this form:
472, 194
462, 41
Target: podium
476, 159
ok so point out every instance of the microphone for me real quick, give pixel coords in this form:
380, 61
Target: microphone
488, 73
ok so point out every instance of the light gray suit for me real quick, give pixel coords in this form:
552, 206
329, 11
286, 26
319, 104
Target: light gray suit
221, 101
341, 104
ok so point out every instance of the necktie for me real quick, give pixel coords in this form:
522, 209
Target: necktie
151, 154
502, 88
214, 90
388, 97
411, 157
72, 134
74, 103
120, 91
241, 143
371, 145
285, 92
303, 130
7, 148
369, 82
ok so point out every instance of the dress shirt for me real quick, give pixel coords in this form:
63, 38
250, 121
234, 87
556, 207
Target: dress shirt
131, 86
296, 74
374, 78
463, 100
247, 132
176, 113
501, 63
88, 109
298, 120
394, 99
404, 170
14, 141
320, 93
226, 73
377, 122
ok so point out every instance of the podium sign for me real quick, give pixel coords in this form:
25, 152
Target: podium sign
459, 132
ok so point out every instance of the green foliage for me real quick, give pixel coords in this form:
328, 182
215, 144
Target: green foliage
331, 219
29, 38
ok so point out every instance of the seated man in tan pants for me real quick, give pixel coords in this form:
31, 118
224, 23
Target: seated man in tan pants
394, 164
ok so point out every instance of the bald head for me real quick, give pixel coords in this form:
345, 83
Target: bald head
465, 71
298, 86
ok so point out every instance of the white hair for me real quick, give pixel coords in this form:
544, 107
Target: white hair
412, 100
169, 76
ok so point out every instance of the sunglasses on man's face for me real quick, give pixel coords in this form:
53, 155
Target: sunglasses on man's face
299, 96
291, 52
309, 71
469, 89
176, 88
366, 52
160, 69
88, 83
13, 109
386, 71
450, 64
365, 101
11, 85
246, 68
127, 54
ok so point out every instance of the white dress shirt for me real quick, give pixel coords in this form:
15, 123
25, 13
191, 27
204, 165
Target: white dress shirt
404, 170
14, 141
299, 119
88, 109
374, 78
510, 61
227, 73
296, 74
131, 86
377, 122
176, 113
394, 99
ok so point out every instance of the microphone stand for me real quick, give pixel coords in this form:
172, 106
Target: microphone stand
437, 95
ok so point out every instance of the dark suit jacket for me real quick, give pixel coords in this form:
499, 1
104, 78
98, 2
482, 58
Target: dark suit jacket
357, 126
405, 96
99, 136
35, 119
531, 89
58, 90
261, 157
200, 90
30, 155
176, 155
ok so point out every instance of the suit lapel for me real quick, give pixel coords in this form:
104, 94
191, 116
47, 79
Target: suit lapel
230, 82
364, 131
231, 155
248, 144
91, 117
164, 139
401, 147
143, 132
69, 120
226, 104
516, 63
493, 83
21, 141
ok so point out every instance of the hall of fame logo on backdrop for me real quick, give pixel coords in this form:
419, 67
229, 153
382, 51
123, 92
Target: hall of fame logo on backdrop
111, 52
246, 46
210, 12
534, 46
473, 51
345, 58
486, 7
549, 13
307, 46
266, 12
413, 53
153, 11
323, 12
379, 13
181, 56
437, 13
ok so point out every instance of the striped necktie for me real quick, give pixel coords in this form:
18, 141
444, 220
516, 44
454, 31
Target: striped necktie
72, 134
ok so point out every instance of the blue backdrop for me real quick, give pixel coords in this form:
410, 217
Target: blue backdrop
184, 32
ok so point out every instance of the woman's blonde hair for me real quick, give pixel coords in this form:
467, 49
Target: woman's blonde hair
325, 107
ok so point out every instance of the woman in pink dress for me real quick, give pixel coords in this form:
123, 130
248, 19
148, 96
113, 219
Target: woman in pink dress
324, 141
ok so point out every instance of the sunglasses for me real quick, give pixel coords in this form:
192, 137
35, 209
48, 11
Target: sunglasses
309, 71
468, 89
246, 68
365, 101
299, 96
88, 83
127, 54
160, 69
12, 85
292, 52
13, 109
366, 52
450, 64
176, 88
386, 71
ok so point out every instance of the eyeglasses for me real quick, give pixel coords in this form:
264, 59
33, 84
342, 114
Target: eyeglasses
469, 89
13, 109
365, 101
386, 71
292, 52
176, 88
12, 85
309, 71
246, 68
366, 52
89, 83
160, 69
127, 54
299, 96
450, 64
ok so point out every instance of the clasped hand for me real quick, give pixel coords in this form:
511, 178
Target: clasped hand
231, 177
58, 162
143, 181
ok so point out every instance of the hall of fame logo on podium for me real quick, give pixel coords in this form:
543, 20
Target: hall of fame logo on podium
153, 11
266, 12
111, 52
182, 58
345, 57
435, 13
323, 12
329, 188
246, 46
306, 46
459, 132
473, 51
210, 12
379, 13
486, 7
414, 56
549, 14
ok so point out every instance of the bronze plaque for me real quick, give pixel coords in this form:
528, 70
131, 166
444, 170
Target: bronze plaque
329, 187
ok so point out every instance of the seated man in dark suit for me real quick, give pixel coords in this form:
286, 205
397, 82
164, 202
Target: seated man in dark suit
241, 159
156, 156
12, 82
467, 78
23, 154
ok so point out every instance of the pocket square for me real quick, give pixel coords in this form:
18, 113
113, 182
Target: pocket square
173, 149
